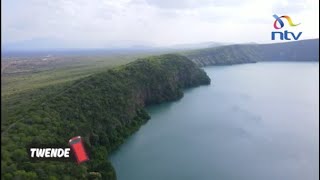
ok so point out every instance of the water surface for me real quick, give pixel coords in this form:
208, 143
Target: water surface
254, 122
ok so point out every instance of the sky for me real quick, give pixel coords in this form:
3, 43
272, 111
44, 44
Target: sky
103, 23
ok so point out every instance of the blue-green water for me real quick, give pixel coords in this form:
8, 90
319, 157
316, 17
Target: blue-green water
254, 122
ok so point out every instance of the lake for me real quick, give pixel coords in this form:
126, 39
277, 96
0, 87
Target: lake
254, 122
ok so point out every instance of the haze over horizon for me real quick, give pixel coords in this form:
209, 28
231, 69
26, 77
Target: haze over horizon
146, 23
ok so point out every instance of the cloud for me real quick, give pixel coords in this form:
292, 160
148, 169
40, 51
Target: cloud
101, 23
288, 7
180, 4
191, 4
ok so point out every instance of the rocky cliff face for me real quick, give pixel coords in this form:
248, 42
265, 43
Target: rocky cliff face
104, 109
167, 76
225, 55
304, 50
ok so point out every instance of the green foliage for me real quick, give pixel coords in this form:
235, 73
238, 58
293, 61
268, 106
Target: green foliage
225, 55
304, 50
103, 108
94, 176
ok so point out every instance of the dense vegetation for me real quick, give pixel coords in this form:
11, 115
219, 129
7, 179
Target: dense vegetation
224, 55
304, 50
86, 97
103, 108
28, 74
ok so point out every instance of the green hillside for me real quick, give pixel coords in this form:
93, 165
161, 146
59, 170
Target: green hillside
105, 105
304, 50
103, 108
224, 55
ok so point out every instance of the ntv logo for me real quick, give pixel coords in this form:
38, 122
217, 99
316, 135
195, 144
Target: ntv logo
286, 34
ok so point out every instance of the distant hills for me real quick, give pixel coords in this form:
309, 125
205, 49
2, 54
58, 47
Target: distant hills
47, 44
209, 44
34, 44
205, 53
44, 46
304, 50
224, 55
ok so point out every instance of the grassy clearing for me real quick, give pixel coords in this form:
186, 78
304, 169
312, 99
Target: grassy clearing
68, 69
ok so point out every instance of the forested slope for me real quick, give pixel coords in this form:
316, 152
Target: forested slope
103, 108
304, 50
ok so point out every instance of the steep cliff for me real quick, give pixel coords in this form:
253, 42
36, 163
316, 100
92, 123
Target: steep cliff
304, 50
224, 55
104, 108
